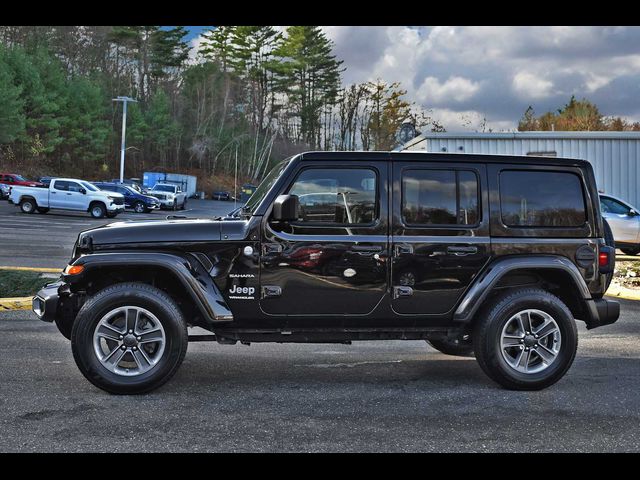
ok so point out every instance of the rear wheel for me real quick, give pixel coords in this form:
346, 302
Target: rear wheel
28, 205
129, 338
526, 340
98, 210
457, 348
184, 204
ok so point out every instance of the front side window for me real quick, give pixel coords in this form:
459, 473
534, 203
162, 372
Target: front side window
340, 196
541, 199
74, 187
439, 197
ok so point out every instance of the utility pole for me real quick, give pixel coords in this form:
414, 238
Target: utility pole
124, 101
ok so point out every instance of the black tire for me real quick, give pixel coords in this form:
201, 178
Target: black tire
139, 207
42, 210
630, 251
184, 204
112, 215
450, 347
609, 241
97, 210
64, 327
175, 206
129, 294
28, 205
488, 329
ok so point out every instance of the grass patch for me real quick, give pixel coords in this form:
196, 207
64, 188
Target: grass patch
21, 284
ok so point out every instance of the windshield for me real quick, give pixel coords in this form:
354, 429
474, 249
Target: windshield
264, 187
165, 188
20, 178
90, 187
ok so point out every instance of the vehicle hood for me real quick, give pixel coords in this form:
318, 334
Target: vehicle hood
164, 231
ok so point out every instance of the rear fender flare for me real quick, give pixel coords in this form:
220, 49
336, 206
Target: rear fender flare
489, 278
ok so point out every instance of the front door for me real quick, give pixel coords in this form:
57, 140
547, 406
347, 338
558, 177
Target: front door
440, 233
332, 261
624, 225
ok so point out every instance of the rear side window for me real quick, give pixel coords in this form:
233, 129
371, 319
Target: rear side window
439, 197
61, 185
541, 199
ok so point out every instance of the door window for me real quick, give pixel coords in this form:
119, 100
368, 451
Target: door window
541, 199
61, 185
341, 196
609, 205
439, 197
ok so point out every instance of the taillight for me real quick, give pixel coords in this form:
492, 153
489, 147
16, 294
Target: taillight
603, 259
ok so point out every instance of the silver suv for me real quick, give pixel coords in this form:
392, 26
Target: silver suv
624, 221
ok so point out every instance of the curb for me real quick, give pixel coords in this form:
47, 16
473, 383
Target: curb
32, 269
618, 291
15, 303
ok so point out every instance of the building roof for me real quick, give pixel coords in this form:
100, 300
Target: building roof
525, 135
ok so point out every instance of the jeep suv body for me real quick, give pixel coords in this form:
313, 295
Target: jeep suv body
484, 254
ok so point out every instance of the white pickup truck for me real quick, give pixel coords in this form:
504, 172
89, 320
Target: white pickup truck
170, 196
68, 194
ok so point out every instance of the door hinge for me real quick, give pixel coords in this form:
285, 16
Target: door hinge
402, 292
268, 248
270, 291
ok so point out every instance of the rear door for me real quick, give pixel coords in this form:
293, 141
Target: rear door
440, 232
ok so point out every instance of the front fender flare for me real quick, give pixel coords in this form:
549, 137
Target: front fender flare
186, 269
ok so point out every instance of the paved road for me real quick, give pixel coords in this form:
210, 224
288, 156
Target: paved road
46, 240
370, 396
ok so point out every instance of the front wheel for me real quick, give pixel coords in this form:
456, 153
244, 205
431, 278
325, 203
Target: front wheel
526, 340
97, 210
129, 338
139, 207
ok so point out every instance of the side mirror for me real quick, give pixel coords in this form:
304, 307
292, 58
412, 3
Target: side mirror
83, 191
286, 208
633, 213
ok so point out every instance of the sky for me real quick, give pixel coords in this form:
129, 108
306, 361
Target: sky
464, 74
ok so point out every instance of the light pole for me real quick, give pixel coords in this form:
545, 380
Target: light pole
124, 101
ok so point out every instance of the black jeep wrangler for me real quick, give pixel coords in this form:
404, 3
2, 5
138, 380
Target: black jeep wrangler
476, 254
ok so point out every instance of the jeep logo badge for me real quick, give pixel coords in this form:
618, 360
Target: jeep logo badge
242, 293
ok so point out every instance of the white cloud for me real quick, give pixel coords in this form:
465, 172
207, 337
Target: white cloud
454, 89
531, 85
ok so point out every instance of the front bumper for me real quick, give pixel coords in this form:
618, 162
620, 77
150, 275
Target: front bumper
45, 303
115, 208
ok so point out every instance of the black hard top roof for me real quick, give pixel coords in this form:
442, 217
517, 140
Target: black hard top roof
413, 155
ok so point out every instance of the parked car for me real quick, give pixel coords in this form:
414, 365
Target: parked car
4, 191
171, 196
12, 179
511, 251
132, 198
45, 181
68, 194
624, 220
226, 196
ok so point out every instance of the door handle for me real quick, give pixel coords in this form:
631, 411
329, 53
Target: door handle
402, 249
402, 292
53, 193
460, 251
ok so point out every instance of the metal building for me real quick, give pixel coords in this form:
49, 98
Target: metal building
615, 156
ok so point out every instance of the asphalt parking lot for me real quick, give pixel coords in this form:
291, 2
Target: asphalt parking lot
370, 396
46, 240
